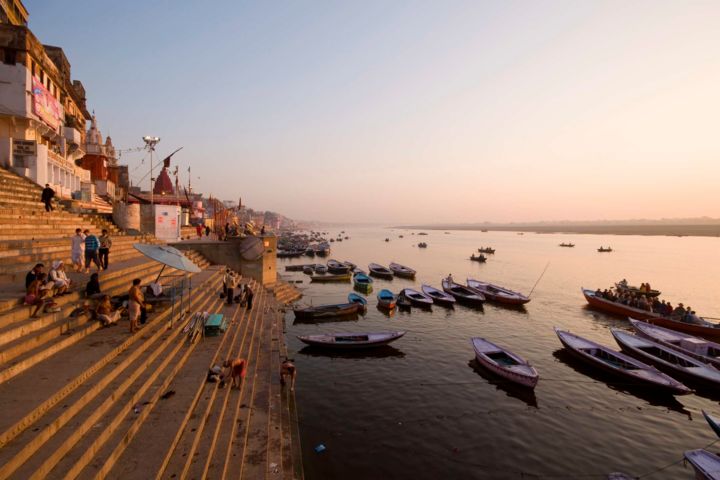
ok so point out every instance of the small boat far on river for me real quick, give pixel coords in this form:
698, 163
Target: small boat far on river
402, 270
603, 249
478, 258
503, 362
350, 340
379, 271
496, 293
486, 250
438, 296
462, 293
568, 245
618, 363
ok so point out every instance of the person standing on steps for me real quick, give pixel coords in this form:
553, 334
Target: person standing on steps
231, 282
199, 230
92, 245
105, 246
135, 303
46, 197
207, 231
250, 296
78, 250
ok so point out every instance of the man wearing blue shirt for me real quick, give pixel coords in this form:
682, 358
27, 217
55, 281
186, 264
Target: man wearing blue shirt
92, 245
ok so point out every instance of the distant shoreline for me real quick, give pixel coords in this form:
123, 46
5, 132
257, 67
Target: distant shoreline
649, 230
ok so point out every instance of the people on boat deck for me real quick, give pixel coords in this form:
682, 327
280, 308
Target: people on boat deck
650, 304
450, 278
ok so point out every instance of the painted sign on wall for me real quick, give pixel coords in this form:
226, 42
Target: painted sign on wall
45, 105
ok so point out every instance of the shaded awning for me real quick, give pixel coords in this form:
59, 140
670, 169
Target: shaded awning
170, 256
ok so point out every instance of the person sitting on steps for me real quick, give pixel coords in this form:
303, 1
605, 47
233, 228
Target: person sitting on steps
58, 278
287, 368
105, 312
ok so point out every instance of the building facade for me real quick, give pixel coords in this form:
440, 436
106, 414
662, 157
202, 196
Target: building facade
42, 110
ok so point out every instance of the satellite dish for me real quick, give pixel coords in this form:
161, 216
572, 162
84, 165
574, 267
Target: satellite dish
251, 248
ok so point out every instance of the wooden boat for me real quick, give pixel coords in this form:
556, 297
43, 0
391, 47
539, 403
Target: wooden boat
350, 265
322, 250
332, 239
336, 267
422, 245
400, 236
308, 270
486, 250
569, 245
422, 233
310, 252
362, 282
618, 363
602, 249
706, 464
462, 293
326, 311
713, 422
289, 253
616, 308
403, 302
479, 258
359, 299
667, 359
623, 287
438, 296
320, 268
698, 348
503, 362
341, 277
496, 293
417, 299
401, 270
387, 239
386, 299
377, 270
351, 340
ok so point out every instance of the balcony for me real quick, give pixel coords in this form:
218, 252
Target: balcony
72, 135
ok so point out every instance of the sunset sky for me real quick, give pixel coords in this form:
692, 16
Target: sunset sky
413, 111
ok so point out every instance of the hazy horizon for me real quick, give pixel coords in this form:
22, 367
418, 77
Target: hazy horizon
412, 112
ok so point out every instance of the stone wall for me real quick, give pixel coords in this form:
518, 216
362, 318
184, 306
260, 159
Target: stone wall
127, 216
230, 254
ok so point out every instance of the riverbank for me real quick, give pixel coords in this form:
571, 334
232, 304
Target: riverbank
650, 230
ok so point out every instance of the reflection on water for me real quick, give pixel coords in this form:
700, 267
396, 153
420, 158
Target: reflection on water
423, 414
383, 351
340, 318
511, 389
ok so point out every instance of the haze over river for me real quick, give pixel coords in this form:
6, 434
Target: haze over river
418, 409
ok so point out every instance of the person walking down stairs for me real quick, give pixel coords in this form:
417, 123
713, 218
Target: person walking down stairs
92, 245
105, 246
77, 252
46, 197
135, 303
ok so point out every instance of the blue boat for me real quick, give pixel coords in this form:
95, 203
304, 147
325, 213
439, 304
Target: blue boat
362, 282
355, 298
386, 299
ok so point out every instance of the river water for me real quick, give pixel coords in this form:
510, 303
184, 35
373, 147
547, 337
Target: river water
420, 410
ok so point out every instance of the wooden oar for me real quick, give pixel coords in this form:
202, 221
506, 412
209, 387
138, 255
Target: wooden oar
538, 280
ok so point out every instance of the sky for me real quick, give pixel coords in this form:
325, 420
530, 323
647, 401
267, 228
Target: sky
412, 111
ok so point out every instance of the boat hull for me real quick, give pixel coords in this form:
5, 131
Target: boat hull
326, 311
350, 341
616, 308
526, 378
499, 294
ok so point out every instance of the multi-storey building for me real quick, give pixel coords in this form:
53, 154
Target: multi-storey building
43, 111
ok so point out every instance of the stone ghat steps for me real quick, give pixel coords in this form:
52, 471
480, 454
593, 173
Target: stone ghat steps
62, 418
59, 247
224, 433
14, 269
286, 293
28, 342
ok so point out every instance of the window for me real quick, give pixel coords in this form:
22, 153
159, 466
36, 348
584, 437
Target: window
10, 57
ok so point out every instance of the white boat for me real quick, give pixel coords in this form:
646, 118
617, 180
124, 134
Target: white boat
698, 348
351, 340
505, 363
665, 358
706, 464
496, 293
618, 363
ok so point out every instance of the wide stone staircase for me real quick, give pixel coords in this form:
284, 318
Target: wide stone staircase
78, 400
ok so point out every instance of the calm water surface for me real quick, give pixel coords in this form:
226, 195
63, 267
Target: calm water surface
420, 410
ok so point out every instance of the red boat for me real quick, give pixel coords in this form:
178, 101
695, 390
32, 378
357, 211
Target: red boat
609, 306
617, 308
